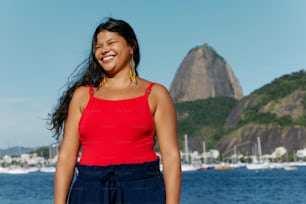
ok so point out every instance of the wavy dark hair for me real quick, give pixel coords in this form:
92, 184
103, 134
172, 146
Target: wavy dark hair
89, 72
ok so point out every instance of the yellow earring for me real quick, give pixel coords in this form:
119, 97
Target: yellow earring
133, 71
103, 82
133, 76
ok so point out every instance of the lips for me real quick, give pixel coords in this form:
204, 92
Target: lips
108, 58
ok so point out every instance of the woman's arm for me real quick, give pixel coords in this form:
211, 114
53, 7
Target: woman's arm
166, 130
69, 148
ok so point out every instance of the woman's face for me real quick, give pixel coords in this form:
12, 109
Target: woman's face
112, 52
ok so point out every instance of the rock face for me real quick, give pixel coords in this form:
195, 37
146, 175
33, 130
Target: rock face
275, 113
204, 74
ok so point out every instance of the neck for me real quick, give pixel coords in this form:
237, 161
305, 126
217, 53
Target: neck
118, 82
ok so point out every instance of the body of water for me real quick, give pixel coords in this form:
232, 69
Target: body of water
240, 185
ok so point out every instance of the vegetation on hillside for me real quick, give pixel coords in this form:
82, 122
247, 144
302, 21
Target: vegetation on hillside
204, 118
276, 90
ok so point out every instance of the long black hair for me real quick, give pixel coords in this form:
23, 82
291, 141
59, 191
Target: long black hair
89, 72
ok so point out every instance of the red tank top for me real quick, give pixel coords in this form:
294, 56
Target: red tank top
117, 131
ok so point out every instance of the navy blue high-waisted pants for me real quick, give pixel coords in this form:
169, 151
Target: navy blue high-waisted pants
118, 184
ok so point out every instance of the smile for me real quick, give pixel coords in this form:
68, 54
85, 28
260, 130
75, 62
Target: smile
108, 58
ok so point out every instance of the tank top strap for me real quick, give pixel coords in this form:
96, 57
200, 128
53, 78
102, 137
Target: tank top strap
148, 89
91, 91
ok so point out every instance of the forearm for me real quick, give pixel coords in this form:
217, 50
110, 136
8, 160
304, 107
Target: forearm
62, 181
172, 177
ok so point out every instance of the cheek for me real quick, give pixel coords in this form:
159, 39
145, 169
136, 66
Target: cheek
98, 58
96, 54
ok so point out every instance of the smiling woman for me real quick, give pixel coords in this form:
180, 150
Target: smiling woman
114, 116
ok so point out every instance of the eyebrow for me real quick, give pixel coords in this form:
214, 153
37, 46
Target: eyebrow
107, 41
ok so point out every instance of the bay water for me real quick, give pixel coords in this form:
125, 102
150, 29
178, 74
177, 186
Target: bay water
273, 186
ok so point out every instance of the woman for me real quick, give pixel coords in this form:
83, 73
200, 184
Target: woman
113, 116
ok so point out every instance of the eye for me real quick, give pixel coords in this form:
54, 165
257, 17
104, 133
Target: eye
111, 42
98, 47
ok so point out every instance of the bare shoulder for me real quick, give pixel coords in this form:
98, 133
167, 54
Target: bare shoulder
160, 90
80, 92
81, 96
163, 103
160, 96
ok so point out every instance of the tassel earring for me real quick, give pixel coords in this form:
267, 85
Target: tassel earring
103, 82
133, 76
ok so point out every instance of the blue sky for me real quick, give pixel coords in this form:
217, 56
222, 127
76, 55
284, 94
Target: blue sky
41, 42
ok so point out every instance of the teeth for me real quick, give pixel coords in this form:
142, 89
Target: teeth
107, 58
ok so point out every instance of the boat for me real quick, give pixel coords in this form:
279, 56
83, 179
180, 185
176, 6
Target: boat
18, 170
224, 166
277, 165
188, 167
204, 167
3, 170
290, 167
258, 165
48, 169
184, 167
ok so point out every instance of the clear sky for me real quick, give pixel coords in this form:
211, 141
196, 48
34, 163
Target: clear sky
41, 43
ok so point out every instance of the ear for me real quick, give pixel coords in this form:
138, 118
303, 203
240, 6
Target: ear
133, 46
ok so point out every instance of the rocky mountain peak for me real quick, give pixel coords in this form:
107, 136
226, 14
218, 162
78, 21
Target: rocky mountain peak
202, 74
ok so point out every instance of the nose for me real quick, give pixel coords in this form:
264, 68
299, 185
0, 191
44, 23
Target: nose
105, 50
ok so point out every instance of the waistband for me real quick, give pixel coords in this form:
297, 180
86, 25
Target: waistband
122, 172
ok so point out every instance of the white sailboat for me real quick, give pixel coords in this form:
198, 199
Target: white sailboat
204, 166
187, 165
18, 170
48, 169
258, 164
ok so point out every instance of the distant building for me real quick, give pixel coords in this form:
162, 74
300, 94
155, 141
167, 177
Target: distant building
301, 153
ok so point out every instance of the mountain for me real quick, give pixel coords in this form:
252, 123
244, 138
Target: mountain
276, 113
203, 120
15, 150
202, 74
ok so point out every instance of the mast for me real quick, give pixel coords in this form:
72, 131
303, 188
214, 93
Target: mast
186, 148
204, 152
235, 154
259, 149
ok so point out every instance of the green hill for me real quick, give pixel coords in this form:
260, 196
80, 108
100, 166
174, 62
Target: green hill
203, 120
275, 112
